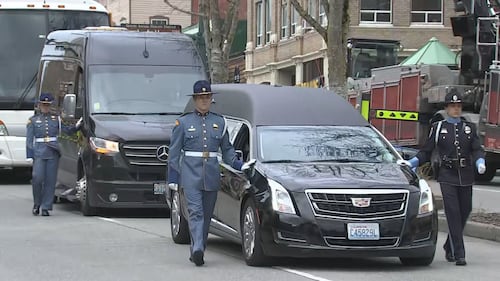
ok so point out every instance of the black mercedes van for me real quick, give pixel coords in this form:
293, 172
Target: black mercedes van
325, 184
129, 87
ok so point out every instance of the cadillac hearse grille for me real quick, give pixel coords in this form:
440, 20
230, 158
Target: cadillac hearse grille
365, 204
146, 154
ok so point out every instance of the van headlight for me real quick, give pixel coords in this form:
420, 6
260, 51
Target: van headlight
426, 204
282, 202
104, 146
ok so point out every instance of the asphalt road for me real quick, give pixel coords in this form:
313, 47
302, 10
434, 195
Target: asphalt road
486, 197
132, 245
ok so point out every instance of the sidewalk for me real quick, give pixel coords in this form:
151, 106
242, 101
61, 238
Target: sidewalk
472, 229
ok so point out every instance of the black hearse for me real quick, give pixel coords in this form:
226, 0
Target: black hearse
326, 183
129, 87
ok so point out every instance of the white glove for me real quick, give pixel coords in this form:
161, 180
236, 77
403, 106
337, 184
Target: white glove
248, 165
481, 168
79, 123
173, 186
30, 160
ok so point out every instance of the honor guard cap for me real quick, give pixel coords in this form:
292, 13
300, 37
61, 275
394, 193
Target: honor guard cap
452, 97
46, 98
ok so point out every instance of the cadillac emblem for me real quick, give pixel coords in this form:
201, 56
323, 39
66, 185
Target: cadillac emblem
361, 202
162, 153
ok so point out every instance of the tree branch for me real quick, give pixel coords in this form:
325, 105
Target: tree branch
309, 19
230, 26
182, 10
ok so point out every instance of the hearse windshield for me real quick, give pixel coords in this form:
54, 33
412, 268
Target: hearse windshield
321, 144
132, 89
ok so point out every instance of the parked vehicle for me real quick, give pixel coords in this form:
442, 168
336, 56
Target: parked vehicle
129, 87
23, 28
326, 183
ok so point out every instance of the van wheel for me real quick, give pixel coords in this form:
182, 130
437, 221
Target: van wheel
250, 236
85, 207
178, 224
424, 261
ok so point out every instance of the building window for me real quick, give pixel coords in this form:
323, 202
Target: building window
258, 21
295, 19
427, 11
158, 20
322, 15
376, 11
284, 20
268, 20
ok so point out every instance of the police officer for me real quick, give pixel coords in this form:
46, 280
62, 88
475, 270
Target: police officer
196, 139
460, 154
42, 147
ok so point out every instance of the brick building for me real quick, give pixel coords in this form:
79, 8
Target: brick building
283, 49
148, 11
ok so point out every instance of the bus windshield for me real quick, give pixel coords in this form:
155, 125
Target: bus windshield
23, 34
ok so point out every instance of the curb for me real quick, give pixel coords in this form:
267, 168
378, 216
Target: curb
474, 229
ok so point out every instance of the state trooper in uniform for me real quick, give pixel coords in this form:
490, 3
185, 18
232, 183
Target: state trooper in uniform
460, 154
194, 167
42, 147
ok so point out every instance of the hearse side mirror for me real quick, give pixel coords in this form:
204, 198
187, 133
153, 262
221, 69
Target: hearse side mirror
69, 106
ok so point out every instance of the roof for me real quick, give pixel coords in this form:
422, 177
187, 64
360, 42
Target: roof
283, 105
433, 52
75, 5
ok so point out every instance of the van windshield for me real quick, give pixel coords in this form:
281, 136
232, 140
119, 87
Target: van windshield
322, 144
139, 89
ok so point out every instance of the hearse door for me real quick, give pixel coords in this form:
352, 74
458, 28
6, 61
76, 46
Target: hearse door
234, 184
68, 143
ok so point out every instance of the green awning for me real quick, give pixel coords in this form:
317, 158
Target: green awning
433, 52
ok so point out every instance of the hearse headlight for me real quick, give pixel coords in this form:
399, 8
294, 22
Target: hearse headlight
104, 146
282, 202
426, 205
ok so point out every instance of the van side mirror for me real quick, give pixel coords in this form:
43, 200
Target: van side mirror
69, 106
239, 154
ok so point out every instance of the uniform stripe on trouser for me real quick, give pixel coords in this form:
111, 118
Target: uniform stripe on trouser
200, 207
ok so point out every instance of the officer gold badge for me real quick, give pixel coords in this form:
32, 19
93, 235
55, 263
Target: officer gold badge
177, 123
215, 126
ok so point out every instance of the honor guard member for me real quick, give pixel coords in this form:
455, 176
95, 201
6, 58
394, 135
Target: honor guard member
196, 139
42, 147
460, 153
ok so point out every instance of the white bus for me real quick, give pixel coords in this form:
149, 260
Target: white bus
24, 24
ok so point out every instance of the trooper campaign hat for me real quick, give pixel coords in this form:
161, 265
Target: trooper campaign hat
202, 87
46, 98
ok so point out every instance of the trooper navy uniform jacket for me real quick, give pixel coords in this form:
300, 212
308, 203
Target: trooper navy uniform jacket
194, 145
41, 136
459, 149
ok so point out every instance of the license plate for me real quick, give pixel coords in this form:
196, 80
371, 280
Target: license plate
160, 188
363, 231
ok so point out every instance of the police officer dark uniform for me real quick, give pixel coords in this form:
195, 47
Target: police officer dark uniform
42, 146
194, 167
460, 154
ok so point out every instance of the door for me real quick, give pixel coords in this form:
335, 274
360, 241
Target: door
234, 184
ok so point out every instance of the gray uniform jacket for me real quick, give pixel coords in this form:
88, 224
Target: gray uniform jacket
194, 145
42, 131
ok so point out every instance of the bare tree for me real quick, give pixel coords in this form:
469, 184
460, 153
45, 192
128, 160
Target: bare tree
219, 28
335, 36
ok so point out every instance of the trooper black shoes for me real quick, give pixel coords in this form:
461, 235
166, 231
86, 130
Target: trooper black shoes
36, 210
45, 213
461, 261
197, 258
449, 257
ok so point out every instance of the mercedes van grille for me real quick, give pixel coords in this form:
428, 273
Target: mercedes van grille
143, 154
363, 204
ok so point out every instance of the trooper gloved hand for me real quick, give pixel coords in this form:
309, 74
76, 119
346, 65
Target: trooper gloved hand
29, 160
247, 165
79, 123
481, 166
173, 178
